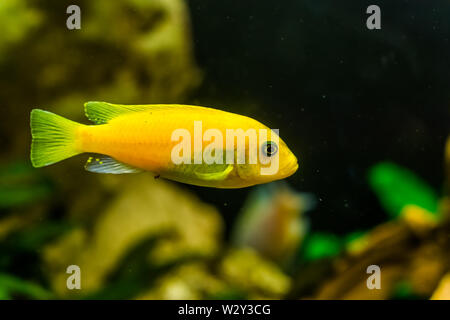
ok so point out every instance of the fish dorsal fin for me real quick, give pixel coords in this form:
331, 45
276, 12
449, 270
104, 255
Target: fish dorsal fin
106, 164
102, 112
213, 172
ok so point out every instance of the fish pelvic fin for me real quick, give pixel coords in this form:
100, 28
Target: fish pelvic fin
106, 164
53, 138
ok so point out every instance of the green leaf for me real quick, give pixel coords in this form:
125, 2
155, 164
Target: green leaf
10, 284
21, 185
321, 245
397, 187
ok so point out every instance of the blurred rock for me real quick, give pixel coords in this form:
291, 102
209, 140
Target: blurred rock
144, 207
245, 270
189, 281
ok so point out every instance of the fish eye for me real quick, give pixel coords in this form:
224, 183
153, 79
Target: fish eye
269, 148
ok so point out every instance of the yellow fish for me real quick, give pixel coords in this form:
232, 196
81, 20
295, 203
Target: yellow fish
134, 138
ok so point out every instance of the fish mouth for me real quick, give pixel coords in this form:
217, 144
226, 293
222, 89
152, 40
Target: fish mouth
291, 167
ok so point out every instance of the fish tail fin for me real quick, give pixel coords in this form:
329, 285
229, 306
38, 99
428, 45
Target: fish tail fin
53, 138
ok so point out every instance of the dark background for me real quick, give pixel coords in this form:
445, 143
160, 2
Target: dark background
344, 97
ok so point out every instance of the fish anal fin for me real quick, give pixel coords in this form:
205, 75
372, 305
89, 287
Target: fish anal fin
106, 164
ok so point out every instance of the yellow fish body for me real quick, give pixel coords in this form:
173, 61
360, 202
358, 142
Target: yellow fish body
133, 138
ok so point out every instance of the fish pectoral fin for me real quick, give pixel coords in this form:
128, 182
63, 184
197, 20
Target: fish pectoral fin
106, 164
213, 172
